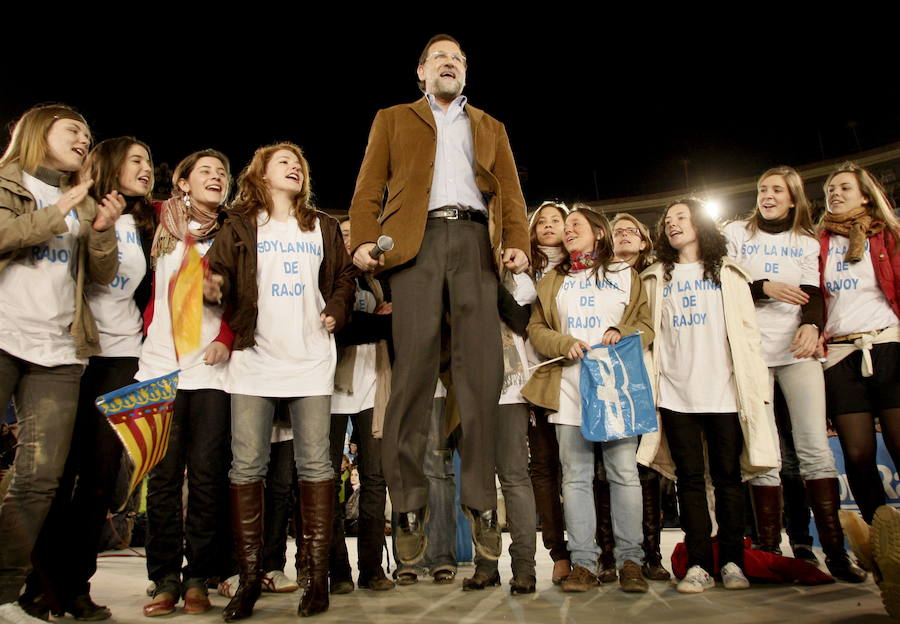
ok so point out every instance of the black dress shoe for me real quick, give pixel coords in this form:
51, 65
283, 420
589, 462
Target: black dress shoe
36, 606
845, 570
522, 584
485, 532
410, 539
84, 609
481, 580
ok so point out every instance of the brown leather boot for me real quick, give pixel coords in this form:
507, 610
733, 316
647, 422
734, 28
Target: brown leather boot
825, 500
247, 527
652, 568
317, 507
767, 502
301, 558
605, 539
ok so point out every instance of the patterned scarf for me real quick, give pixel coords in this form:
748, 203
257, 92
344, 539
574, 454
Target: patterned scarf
581, 260
857, 225
174, 217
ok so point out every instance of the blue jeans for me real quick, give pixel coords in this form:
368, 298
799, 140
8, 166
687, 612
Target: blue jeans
438, 467
576, 455
251, 434
46, 400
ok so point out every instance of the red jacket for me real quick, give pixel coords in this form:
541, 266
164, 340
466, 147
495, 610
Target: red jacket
885, 261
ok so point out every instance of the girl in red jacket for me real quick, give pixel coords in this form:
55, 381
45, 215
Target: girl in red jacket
860, 268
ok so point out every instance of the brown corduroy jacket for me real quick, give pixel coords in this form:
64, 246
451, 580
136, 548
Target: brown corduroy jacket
400, 158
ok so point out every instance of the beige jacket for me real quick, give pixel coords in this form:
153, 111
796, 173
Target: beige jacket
545, 334
22, 226
750, 372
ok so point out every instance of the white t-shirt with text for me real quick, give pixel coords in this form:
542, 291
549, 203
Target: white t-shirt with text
294, 355
696, 374
784, 257
856, 303
586, 310
37, 291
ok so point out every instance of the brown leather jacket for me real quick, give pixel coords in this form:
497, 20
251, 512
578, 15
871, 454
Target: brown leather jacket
22, 226
233, 256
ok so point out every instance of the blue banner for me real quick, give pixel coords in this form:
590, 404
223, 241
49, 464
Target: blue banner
616, 397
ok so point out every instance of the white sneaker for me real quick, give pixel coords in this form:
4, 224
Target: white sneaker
12, 613
733, 577
229, 586
278, 582
696, 581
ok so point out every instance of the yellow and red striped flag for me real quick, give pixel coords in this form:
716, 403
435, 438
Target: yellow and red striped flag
186, 300
141, 415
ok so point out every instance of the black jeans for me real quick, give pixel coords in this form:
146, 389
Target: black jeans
63, 566
724, 443
372, 497
199, 441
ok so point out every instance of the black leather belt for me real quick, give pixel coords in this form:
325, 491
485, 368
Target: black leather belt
458, 214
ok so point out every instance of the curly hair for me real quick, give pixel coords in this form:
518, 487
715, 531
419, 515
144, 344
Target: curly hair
710, 239
539, 259
603, 247
253, 192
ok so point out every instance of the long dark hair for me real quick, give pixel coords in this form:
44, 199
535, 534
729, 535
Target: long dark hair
603, 247
539, 259
104, 165
710, 239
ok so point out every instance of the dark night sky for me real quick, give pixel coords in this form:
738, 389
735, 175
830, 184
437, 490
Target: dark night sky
620, 103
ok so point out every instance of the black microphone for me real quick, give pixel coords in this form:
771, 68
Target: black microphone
383, 244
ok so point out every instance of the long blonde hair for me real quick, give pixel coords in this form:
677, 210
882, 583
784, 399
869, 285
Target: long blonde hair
802, 224
880, 206
28, 140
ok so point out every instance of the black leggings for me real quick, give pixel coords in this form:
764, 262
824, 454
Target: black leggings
857, 435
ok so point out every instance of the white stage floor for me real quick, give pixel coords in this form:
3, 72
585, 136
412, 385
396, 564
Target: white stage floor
121, 582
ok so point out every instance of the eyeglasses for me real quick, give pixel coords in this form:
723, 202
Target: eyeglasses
442, 57
623, 231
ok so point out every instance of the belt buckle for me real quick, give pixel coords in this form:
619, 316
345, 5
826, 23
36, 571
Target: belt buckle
454, 213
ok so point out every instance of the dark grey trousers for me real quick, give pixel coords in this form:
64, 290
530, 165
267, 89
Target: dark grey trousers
452, 273
46, 399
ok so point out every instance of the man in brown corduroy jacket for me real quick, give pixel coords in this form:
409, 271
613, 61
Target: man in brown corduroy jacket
456, 213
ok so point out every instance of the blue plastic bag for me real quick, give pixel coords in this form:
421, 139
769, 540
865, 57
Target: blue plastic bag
616, 397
